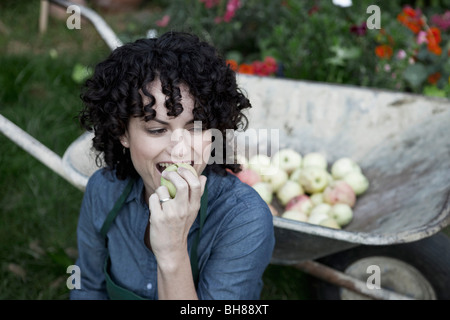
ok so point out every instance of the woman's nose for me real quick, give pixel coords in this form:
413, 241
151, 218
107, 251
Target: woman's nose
180, 145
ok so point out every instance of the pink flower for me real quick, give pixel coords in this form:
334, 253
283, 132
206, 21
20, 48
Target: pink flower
164, 21
232, 7
401, 54
421, 37
210, 3
443, 21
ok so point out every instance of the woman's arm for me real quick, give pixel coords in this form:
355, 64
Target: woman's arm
170, 223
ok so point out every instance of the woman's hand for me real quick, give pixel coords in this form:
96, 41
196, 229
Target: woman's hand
171, 221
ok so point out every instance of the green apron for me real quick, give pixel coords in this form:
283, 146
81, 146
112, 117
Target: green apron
115, 292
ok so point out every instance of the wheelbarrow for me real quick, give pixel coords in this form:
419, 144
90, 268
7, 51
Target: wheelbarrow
400, 140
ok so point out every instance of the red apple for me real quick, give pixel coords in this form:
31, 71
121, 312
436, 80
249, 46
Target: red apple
301, 203
339, 191
273, 210
249, 176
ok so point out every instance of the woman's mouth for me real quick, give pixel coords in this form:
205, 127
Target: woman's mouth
161, 166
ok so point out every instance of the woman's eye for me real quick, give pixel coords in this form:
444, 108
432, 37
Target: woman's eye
156, 131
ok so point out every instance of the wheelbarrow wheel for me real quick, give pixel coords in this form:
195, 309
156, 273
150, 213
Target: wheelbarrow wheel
419, 270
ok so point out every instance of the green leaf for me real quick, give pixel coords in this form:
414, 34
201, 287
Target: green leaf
434, 91
80, 73
415, 74
341, 54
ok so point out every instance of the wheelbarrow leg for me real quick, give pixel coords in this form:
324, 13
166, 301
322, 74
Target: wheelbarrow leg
341, 279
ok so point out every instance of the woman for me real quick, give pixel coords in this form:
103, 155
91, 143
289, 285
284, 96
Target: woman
153, 103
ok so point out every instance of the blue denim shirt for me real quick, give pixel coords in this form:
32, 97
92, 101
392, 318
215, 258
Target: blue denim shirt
235, 246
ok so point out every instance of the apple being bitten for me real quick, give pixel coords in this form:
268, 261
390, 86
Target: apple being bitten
174, 167
339, 191
288, 191
300, 203
313, 179
287, 160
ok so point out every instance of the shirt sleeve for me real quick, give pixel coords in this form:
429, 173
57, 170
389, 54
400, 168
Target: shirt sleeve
91, 250
239, 257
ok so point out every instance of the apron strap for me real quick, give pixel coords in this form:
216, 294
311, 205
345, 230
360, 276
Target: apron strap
115, 210
194, 257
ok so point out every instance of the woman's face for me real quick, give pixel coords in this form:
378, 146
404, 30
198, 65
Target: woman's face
156, 144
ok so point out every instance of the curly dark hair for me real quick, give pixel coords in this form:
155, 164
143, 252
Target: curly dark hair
111, 96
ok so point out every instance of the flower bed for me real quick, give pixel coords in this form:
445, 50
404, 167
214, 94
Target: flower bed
327, 41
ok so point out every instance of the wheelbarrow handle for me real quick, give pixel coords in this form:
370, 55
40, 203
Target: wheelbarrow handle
102, 27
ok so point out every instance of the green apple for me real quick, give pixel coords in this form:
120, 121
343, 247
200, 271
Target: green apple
320, 208
264, 189
295, 175
330, 223
317, 198
344, 166
342, 213
288, 191
316, 217
174, 167
357, 181
287, 160
315, 159
313, 179
259, 163
295, 215
276, 177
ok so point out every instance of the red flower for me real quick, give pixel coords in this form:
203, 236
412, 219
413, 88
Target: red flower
433, 39
271, 64
233, 64
246, 69
411, 18
384, 51
434, 78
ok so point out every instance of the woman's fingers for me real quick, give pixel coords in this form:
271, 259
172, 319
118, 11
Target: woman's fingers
188, 185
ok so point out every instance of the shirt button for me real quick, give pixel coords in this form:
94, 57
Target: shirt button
149, 286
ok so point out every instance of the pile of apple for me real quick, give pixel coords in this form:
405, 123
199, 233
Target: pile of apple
304, 187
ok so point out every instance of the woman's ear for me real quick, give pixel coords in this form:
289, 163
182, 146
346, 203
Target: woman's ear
124, 140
